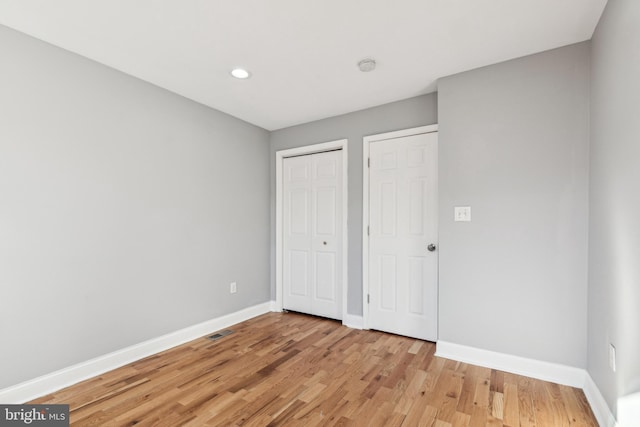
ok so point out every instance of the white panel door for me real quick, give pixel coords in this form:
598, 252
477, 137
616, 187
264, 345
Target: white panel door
312, 227
403, 267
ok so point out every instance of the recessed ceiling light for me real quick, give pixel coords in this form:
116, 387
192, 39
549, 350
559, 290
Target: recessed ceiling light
367, 64
240, 73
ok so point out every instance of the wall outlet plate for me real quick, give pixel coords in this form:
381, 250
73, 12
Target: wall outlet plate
233, 288
612, 357
462, 213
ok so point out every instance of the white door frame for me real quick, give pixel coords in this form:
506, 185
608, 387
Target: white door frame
365, 204
299, 151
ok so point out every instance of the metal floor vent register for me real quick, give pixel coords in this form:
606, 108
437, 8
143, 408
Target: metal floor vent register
219, 335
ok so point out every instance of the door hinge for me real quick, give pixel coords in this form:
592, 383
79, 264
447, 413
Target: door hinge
368, 298
369, 162
368, 231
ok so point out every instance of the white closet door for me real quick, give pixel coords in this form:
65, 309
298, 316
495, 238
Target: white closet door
312, 241
403, 275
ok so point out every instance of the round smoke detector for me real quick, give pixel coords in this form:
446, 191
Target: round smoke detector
367, 64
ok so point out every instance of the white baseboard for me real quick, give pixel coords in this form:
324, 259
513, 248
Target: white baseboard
560, 374
353, 321
629, 410
57, 380
598, 404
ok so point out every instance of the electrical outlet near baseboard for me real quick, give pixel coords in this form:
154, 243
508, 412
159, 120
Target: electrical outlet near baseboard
612, 357
233, 288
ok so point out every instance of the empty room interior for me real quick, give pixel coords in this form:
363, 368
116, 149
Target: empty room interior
417, 212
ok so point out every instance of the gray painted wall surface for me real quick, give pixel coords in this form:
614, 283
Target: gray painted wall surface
614, 230
513, 143
125, 212
413, 112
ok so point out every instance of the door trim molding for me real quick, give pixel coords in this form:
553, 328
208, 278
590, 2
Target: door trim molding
299, 151
366, 141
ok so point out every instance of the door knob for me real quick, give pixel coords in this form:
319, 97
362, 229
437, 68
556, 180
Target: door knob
431, 247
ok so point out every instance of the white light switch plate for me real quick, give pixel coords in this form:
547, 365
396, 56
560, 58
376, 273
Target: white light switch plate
462, 213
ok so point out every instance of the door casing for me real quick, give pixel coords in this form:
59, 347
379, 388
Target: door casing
366, 141
341, 144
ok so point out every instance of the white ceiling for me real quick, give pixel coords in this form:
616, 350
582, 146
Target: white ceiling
302, 53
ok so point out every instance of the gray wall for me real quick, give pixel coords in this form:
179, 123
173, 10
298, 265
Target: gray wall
614, 230
513, 143
413, 112
125, 210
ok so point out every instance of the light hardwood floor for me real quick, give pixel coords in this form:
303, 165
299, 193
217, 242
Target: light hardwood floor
297, 370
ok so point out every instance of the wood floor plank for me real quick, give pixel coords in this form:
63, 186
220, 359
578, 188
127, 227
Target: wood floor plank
295, 370
497, 406
467, 393
525, 403
511, 413
461, 419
